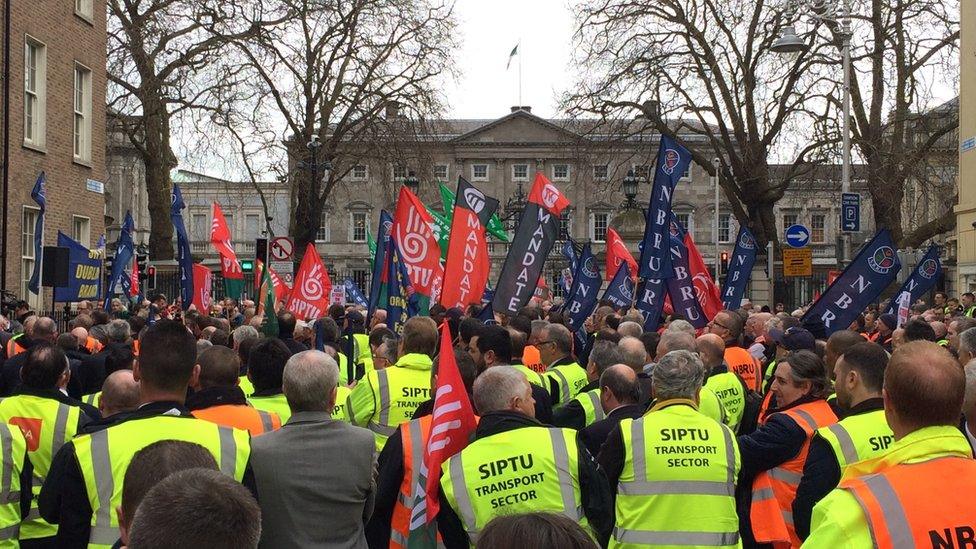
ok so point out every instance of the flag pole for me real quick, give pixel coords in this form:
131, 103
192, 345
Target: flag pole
520, 75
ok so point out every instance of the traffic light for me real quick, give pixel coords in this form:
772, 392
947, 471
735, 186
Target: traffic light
142, 261
261, 250
150, 277
247, 265
724, 257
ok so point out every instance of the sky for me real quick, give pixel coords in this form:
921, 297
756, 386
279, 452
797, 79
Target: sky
488, 30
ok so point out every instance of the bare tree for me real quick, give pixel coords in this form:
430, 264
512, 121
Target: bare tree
352, 75
706, 69
162, 63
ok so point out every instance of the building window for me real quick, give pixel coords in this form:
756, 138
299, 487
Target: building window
81, 230
27, 249
322, 234
252, 226
818, 225
685, 219
642, 171
724, 228
361, 278
199, 228
479, 172
360, 226
83, 9
359, 172
520, 172
35, 92
560, 172
687, 173
442, 172
83, 113
565, 224
789, 219
599, 221
399, 172
601, 172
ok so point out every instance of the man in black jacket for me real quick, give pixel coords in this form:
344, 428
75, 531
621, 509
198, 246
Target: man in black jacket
286, 332
503, 399
572, 415
620, 396
41, 331
492, 347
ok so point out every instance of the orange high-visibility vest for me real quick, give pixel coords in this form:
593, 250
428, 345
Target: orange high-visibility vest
532, 360
93, 345
240, 416
14, 348
135, 347
773, 491
744, 364
413, 435
901, 509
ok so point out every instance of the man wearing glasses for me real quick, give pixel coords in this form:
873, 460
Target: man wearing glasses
566, 377
728, 325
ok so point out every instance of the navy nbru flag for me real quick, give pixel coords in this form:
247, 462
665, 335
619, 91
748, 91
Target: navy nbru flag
583, 296
875, 267
740, 269
377, 283
926, 274
124, 248
354, 294
184, 256
620, 293
681, 289
650, 302
40, 198
672, 162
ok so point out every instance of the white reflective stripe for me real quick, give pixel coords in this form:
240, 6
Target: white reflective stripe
845, 441
564, 395
228, 451
649, 537
465, 509
266, 423
598, 413
397, 537
561, 455
677, 487
891, 508
788, 518
104, 486
379, 429
60, 428
384, 390
416, 460
729, 456
783, 475
637, 441
12, 532
34, 514
8, 459
763, 494
807, 418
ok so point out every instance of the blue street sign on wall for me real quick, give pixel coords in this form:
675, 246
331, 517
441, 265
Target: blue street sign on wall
850, 219
797, 236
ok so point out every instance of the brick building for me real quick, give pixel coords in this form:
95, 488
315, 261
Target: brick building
54, 121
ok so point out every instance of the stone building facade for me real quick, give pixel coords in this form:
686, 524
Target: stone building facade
56, 124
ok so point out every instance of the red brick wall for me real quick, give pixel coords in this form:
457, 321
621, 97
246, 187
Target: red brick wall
69, 39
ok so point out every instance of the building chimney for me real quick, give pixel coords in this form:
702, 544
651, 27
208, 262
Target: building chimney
392, 110
517, 108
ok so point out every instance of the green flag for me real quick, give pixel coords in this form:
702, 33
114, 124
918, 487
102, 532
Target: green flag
233, 288
441, 228
371, 243
495, 227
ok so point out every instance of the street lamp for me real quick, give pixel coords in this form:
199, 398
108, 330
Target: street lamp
412, 182
789, 42
312, 164
629, 187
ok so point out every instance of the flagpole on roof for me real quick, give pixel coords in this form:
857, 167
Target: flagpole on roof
519, 74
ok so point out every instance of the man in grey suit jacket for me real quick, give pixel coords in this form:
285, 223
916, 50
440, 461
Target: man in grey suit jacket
316, 475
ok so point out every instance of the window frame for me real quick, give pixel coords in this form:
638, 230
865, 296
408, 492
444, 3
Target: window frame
593, 218
38, 124
84, 240
690, 225
564, 178
447, 172
687, 174
352, 226
324, 231
393, 172
27, 256
647, 168
822, 228
82, 151
516, 178
606, 172
354, 177
483, 178
257, 232
85, 10
727, 217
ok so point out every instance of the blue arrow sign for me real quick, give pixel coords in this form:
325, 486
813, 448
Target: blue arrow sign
850, 219
797, 236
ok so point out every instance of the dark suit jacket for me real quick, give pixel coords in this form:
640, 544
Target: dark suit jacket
315, 477
595, 435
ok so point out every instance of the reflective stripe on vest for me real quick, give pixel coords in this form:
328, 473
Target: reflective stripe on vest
92, 399
774, 490
10, 483
592, 407
566, 481
651, 509
899, 508
412, 437
569, 383
858, 437
383, 427
266, 422
98, 457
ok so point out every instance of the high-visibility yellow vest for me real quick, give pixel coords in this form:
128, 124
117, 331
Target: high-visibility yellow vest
246, 386
93, 399
365, 353
710, 405
13, 452
339, 412
677, 486
532, 469
104, 456
570, 378
858, 437
46, 425
592, 407
385, 398
730, 390
272, 403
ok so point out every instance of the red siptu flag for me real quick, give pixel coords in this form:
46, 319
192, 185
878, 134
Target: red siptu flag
450, 431
705, 289
309, 296
221, 240
417, 244
202, 281
617, 254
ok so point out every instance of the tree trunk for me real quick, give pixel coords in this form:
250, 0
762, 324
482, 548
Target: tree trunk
306, 213
159, 160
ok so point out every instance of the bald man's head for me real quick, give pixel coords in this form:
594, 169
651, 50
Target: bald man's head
711, 348
81, 335
621, 381
44, 328
120, 393
923, 387
675, 341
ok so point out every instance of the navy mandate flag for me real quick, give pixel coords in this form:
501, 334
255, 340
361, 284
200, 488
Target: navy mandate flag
537, 231
620, 293
740, 269
875, 267
925, 275
672, 163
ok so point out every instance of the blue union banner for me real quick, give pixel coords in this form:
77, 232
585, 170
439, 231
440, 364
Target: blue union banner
84, 272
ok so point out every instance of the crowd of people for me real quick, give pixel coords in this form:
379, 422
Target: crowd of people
156, 427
